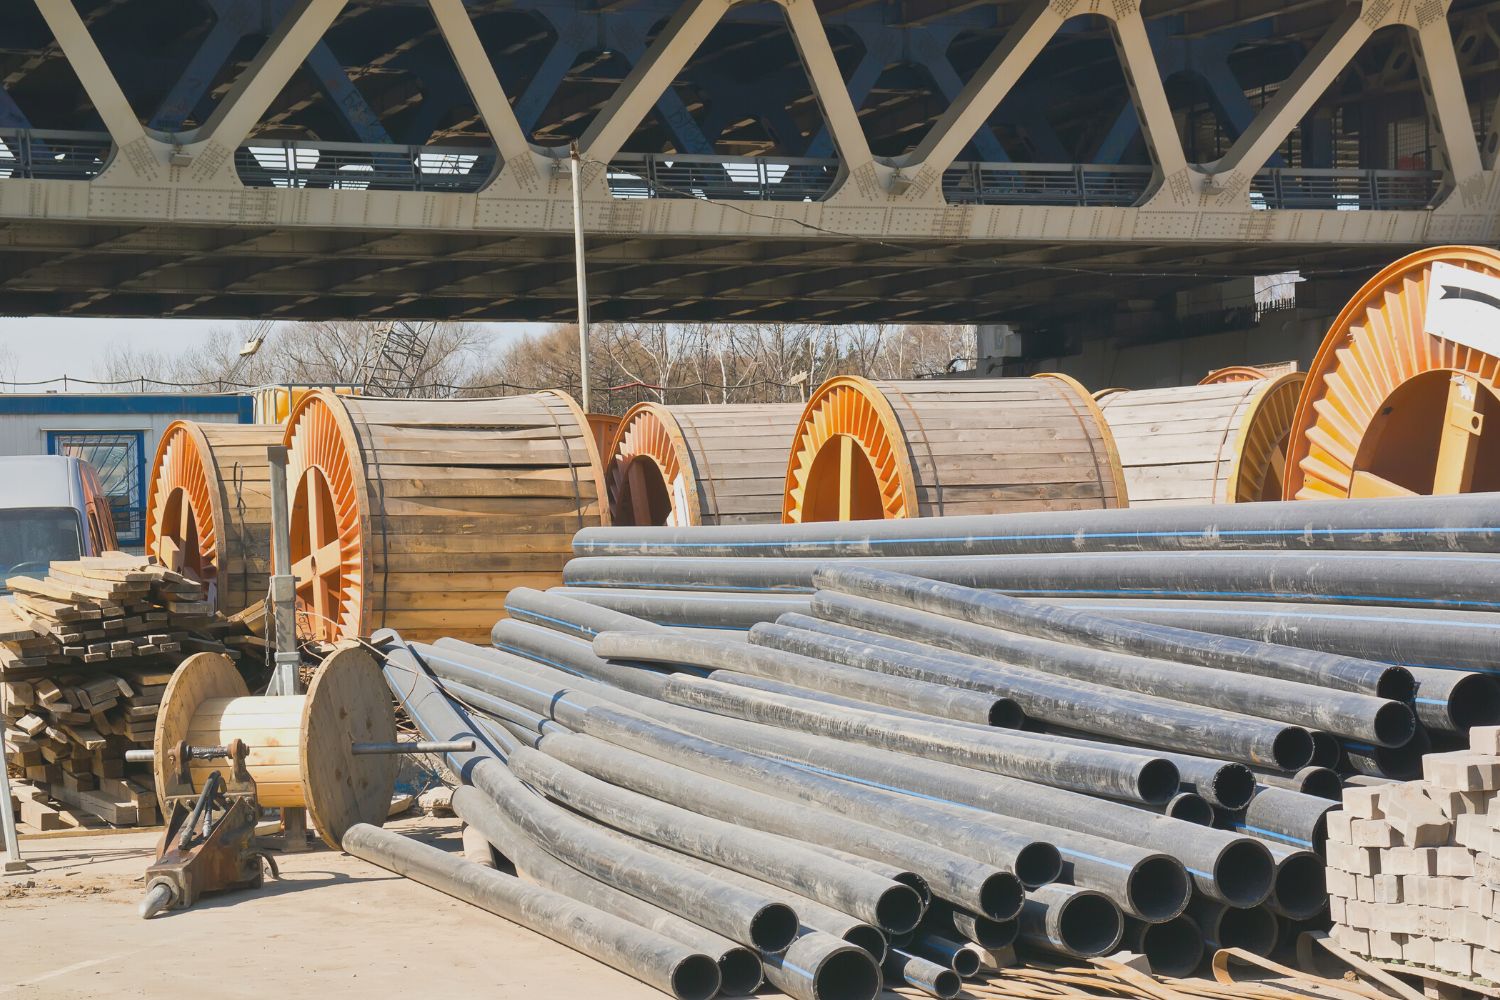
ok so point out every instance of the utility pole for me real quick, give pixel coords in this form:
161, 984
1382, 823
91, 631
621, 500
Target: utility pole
576, 163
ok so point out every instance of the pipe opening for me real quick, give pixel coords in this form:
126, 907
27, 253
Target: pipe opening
1037, 864
1244, 872
1006, 713
1157, 781
988, 934
1234, 786
1292, 749
1252, 929
841, 484
1001, 896
1158, 888
1395, 724
1089, 924
1174, 948
643, 499
1397, 684
740, 973
917, 884
1327, 752
1301, 887
695, 978
946, 984
1402, 763
1191, 808
1474, 701
867, 938
847, 974
899, 909
966, 962
1322, 782
774, 928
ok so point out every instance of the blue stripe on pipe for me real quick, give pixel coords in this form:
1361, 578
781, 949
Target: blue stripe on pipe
1322, 615
1273, 835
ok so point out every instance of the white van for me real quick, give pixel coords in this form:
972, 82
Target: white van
51, 507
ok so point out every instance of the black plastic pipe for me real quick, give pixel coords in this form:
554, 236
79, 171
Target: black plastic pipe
739, 967
822, 967
668, 965
919, 973
1456, 701
1077, 704
678, 610
777, 860
1287, 817
1093, 771
556, 609
1077, 922
1174, 948
1220, 783
1004, 713
742, 916
960, 956
1080, 627
1453, 524
1301, 888
1321, 782
1236, 869
988, 934
1032, 861
1190, 807
1327, 751
820, 675
1253, 929
1455, 581
959, 618
954, 876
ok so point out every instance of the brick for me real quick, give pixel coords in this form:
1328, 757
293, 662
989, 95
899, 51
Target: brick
1426, 890
1355, 939
1338, 823
1384, 945
1418, 949
1456, 804
1364, 888
1455, 862
1453, 956
1485, 740
1487, 870
1388, 889
1487, 964
1474, 832
1372, 833
1363, 801
1466, 893
1462, 771
1358, 913
1339, 883
1337, 910
1473, 929
1358, 860
1407, 861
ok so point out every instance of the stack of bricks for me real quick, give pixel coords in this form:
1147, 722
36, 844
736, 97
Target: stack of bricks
1414, 867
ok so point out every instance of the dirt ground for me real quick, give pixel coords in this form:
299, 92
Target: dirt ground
334, 927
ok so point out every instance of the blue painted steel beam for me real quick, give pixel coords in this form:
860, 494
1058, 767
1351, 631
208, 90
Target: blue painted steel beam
11, 116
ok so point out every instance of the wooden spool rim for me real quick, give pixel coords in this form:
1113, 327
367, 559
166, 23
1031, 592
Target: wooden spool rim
1263, 437
1107, 436
852, 406
1376, 344
347, 703
321, 438
181, 475
1234, 373
650, 433
591, 444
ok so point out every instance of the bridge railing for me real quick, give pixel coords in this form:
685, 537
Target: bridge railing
350, 166
45, 154
720, 178
275, 163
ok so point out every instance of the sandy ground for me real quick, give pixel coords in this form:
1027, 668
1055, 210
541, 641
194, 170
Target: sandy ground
334, 927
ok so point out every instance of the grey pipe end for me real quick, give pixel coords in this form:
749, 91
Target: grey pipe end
1292, 748
1301, 889
1157, 781
1038, 864
1244, 873
869, 939
1174, 948
1396, 683
1002, 895
696, 977
740, 972
1395, 724
1158, 888
1233, 787
1474, 701
774, 928
899, 909
1090, 924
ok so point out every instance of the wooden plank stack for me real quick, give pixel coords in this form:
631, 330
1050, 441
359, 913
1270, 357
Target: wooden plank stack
85, 655
1414, 867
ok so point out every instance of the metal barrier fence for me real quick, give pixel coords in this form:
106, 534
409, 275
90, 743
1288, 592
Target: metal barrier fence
361, 167
720, 178
51, 155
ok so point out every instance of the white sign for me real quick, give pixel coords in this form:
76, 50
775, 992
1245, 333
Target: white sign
1464, 306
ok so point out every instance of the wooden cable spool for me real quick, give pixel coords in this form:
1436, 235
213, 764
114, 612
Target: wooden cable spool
1222, 442
421, 515
1404, 395
876, 450
689, 465
605, 426
208, 508
300, 746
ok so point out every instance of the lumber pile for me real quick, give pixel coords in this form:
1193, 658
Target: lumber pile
85, 655
1414, 867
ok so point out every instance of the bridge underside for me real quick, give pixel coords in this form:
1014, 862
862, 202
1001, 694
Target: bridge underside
1041, 162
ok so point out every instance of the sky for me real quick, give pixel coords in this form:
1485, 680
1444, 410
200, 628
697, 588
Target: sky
50, 348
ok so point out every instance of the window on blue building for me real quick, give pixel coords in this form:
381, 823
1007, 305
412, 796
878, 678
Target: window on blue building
119, 458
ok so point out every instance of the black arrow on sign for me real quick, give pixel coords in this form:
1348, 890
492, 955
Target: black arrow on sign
1470, 295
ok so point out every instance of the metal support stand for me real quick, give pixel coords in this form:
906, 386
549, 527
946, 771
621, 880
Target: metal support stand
575, 161
13, 863
286, 676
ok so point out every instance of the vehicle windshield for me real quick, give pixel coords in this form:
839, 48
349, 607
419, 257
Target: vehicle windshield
31, 538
